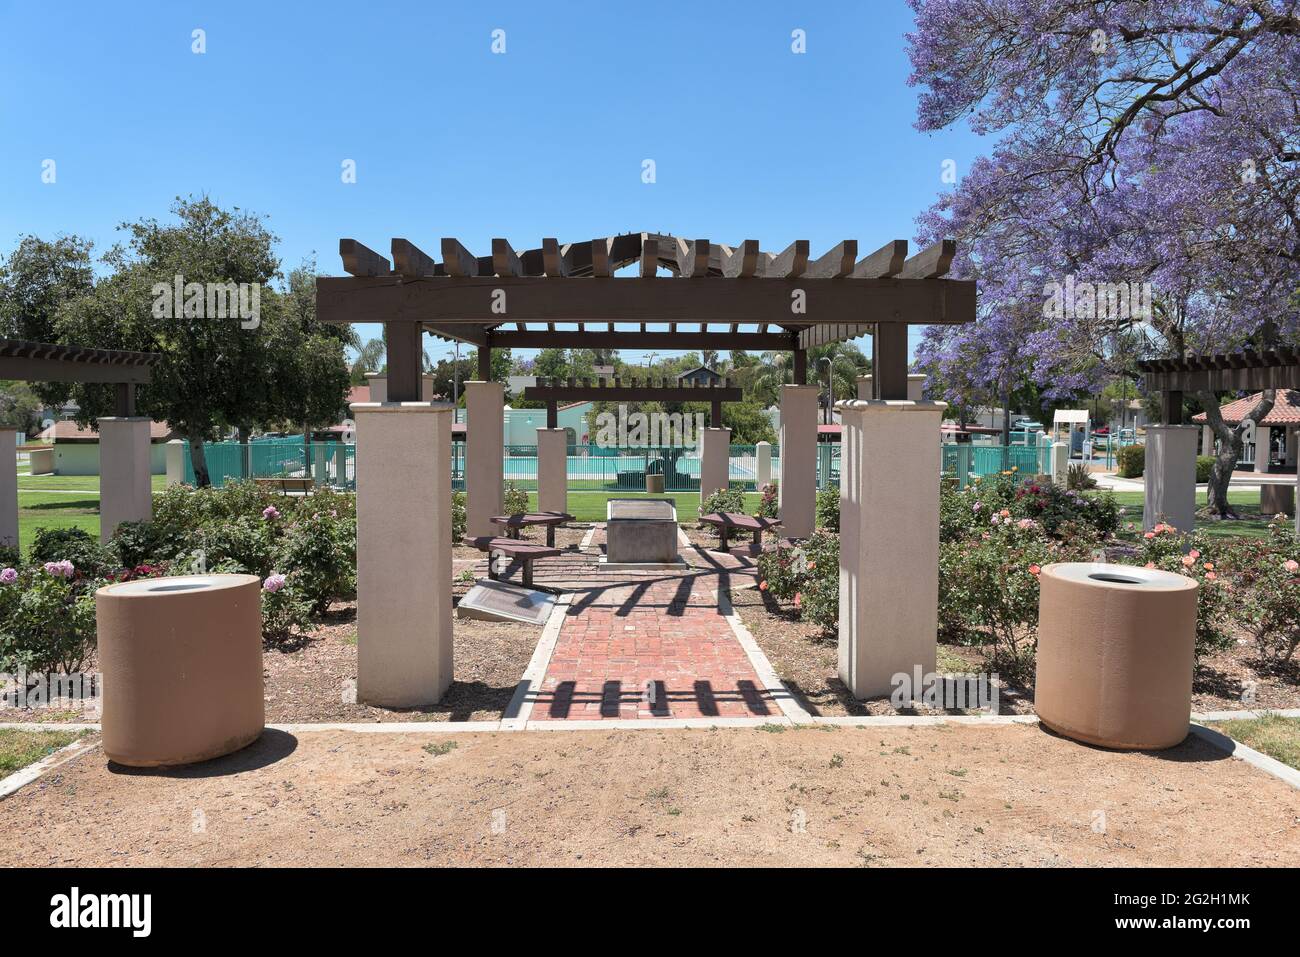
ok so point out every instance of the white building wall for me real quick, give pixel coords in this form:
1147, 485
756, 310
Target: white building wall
82, 458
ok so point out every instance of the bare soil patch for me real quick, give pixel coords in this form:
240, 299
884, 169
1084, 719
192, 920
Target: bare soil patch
953, 795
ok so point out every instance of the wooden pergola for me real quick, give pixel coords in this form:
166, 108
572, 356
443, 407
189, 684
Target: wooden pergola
553, 392
1245, 371
51, 362
567, 296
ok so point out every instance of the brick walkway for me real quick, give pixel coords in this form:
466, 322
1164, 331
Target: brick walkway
648, 644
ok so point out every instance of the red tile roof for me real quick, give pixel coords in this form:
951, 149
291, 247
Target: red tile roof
1286, 410
65, 430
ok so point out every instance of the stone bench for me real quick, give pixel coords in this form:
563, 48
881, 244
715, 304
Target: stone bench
514, 548
725, 522
287, 485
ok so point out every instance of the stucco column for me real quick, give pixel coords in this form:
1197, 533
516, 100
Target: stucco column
762, 464
889, 541
552, 470
125, 494
8, 485
715, 453
403, 469
175, 459
1263, 447
321, 471
1044, 444
1170, 476
378, 383
1059, 460
485, 413
1207, 440
797, 491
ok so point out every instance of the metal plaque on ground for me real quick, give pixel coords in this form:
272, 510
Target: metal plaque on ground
501, 601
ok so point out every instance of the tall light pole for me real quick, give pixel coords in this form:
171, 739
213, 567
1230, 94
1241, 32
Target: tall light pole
830, 389
455, 374
651, 363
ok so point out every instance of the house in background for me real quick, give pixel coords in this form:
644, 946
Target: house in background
76, 449
701, 376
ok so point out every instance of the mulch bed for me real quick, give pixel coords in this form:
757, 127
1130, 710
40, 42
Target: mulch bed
807, 660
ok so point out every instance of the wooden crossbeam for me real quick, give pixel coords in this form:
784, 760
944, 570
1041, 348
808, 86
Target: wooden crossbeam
635, 392
836, 263
505, 262
790, 263
553, 264
649, 258
359, 260
457, 260
692, 258
741, 262
410, 260
886, 261
931, 262
601, 250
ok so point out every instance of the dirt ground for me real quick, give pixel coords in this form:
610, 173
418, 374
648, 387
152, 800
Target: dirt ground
953, 795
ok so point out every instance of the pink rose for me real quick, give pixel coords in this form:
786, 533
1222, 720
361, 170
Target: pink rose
270, 513
9, 576
1290, 565
273, 583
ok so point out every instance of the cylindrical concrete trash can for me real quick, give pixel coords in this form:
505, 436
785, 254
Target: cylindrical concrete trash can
654, 484
1116, 649
182, 664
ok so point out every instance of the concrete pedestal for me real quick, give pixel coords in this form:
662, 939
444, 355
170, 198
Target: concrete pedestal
485, 412
1170, 476
1059, 462
889, 542
762, 464
379, 387
1263, 447
174, 456
404, 638
125, 492
8, 485
1276, 499
715, 453
1207, 440
552, 470
320, 470
797, 491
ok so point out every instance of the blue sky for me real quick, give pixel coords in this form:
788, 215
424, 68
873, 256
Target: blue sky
749, 139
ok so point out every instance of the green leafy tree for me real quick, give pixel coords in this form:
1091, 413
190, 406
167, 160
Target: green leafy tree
36, 279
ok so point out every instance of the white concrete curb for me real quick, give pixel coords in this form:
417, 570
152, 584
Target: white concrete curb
771, 682
520, 708
1284, 773
27, 775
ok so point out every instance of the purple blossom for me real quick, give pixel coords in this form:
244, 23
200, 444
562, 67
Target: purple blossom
60, 569
270, 513
274, 582
8, 576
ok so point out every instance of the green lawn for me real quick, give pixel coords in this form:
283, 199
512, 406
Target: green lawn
1253, 525
74, 483
55, 510
21, 748
1271, 734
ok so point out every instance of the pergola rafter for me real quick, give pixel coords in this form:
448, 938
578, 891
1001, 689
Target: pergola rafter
567, 296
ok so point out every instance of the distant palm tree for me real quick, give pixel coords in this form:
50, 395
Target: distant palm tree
370, 358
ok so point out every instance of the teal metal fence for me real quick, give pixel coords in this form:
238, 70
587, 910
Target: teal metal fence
329, 463
965, 461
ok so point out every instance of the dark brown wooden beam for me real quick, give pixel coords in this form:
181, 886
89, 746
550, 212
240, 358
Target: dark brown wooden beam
602, 339
693, 258
359, 260
600, 256
504, 260
741, 262
789, 264
632, 393
552, 259
800, 367
931, 262
405, 352
889, 366
888, 260
457, 260
410, 260
649, 258
485, 363
835, 263
529, 299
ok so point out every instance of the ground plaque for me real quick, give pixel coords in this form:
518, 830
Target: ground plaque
501, 601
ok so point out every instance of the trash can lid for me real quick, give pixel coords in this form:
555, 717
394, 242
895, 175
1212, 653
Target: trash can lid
176, 585
1108, 575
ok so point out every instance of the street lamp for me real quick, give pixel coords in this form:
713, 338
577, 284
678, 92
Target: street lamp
455, 374
830, 387
651, 363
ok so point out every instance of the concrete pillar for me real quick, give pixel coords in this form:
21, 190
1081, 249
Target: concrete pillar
963, 464
1044, 454
915, 387
715, 455
1292, 439
1263, 447
320, 463
125, 494
889, 542
8, 485
762, 464
485, 414
1170, 476
1207, 440
175, 457
552, 470
1059, 462
797, 491
404, 636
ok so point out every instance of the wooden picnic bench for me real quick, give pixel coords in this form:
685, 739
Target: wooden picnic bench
514, 548
286, 485
725, 522
514, 523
